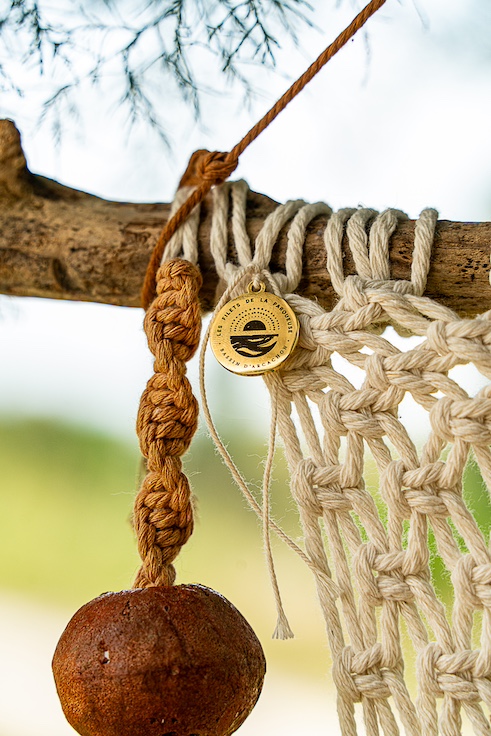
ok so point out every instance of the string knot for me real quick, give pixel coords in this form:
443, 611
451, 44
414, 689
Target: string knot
210, 167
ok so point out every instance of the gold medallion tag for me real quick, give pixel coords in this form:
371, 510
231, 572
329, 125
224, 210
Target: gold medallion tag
254, 333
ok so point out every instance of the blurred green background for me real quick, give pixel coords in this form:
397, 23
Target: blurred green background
66, 536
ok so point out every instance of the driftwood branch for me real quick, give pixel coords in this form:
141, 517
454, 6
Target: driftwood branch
61, 243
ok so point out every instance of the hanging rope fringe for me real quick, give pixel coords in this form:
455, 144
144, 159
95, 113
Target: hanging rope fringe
368, 582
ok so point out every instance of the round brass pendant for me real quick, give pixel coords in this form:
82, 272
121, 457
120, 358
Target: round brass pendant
254, 333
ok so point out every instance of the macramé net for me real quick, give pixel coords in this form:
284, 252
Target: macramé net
370, 552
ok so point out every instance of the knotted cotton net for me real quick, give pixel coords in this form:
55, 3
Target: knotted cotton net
370, 552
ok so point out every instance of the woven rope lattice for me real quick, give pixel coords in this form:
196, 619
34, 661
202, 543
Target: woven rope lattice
371, 559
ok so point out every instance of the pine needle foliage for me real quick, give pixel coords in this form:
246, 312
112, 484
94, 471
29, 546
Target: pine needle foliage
144, 52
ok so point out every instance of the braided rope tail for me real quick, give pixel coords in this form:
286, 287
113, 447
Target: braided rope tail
167, 420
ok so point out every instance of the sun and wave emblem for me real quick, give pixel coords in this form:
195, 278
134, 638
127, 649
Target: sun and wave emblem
254, 341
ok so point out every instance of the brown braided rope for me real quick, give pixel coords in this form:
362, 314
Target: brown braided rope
207, 169
167, 421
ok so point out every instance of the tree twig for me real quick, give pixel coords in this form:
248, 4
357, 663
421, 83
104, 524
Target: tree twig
61, 243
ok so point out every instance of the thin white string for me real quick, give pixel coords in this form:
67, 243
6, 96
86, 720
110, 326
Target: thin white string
232, 290
282, 630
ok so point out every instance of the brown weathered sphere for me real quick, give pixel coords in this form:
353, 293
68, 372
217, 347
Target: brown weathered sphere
176, 661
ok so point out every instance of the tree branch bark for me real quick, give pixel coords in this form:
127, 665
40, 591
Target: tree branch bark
61, 243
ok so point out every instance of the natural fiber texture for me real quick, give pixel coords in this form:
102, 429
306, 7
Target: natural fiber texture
369, 548
208, 169
167, 421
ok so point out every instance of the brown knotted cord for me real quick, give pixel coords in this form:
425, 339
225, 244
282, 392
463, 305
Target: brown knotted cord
207, 169
167, 421
168, 412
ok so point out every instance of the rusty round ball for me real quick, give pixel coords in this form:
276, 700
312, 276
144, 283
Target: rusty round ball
175, 661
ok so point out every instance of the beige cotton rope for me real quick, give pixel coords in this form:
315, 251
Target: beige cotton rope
370, 553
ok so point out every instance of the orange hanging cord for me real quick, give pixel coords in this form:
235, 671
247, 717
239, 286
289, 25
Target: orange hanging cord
207, 169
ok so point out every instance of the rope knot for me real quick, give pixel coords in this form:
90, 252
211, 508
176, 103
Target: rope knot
343, 677
304, 489
449, 673
212, 167
465, 419
332, 415
363, 565
473, 581
391, 484
354, 296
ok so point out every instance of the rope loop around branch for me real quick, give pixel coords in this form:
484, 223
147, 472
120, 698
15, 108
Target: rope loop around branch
210, 167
